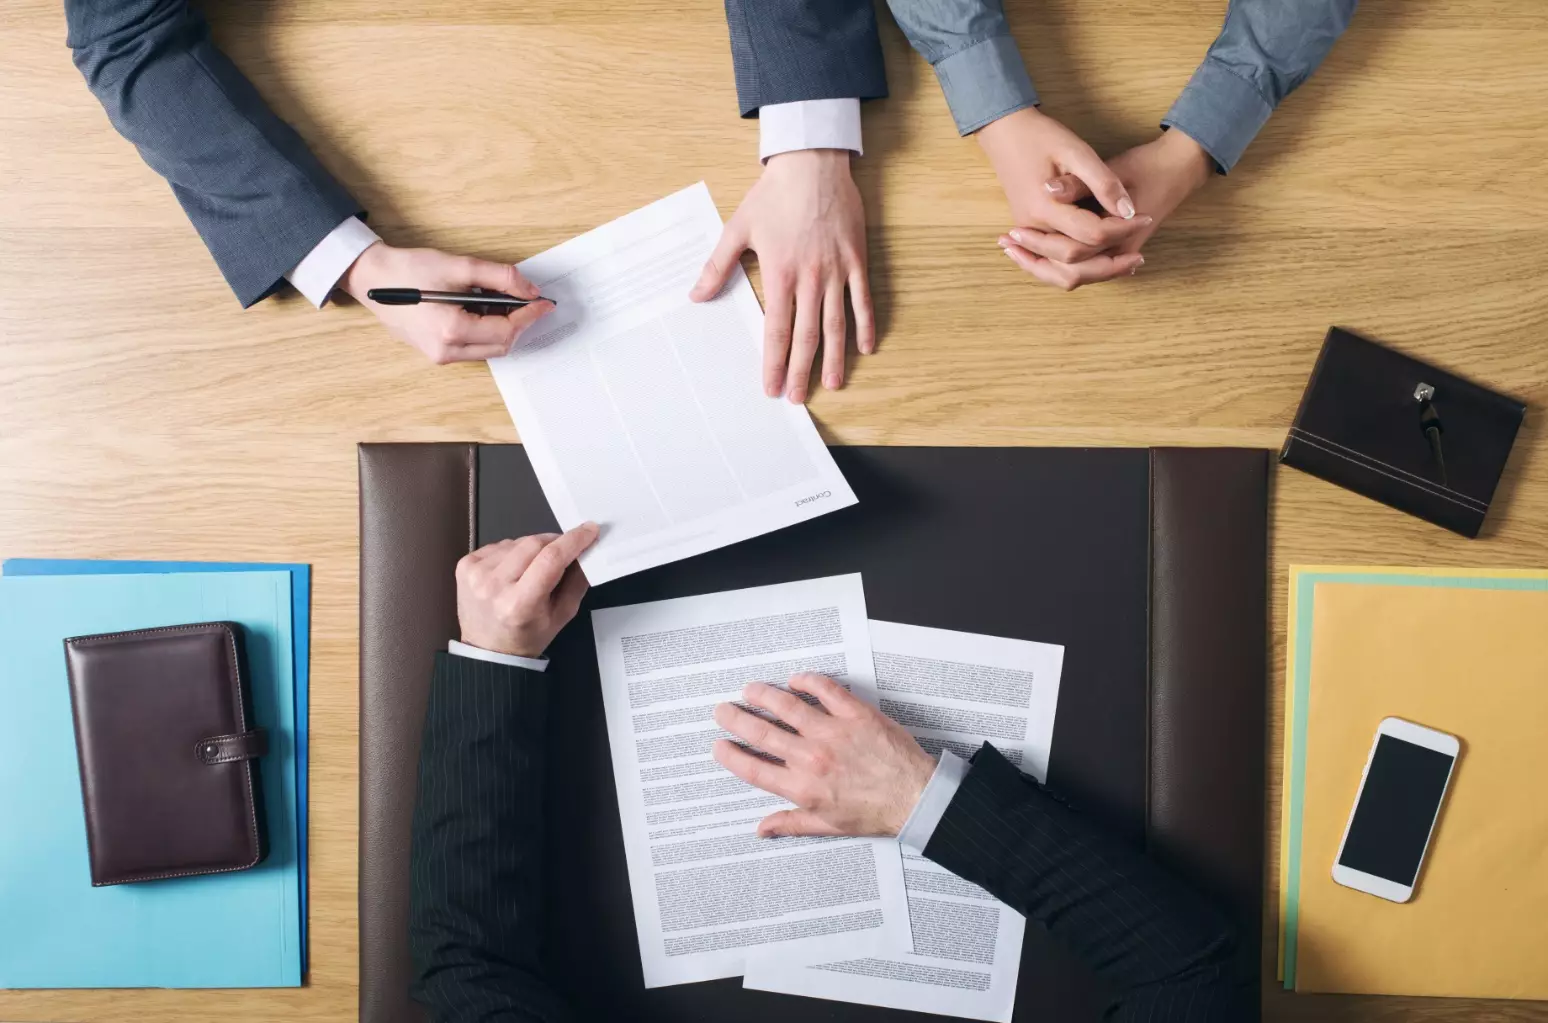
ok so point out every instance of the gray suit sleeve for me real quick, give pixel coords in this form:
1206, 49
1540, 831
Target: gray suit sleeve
969, 45
786, 51
1265, 51
258, 198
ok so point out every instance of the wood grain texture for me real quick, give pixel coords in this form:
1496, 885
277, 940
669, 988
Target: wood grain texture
1399, 193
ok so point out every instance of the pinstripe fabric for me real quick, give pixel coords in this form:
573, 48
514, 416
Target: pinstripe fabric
476, 871
257, 196
476, 867
1163, 951
784, 51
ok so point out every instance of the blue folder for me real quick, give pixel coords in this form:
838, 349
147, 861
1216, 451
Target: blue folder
222, 930
300, 616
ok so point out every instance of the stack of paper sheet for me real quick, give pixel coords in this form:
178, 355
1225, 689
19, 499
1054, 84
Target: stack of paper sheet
151, 934
851, 919
1463, 651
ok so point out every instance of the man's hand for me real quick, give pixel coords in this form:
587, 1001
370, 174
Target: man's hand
850, 768
805, 220
445, 333
1160, 175
1028, 149
514, 596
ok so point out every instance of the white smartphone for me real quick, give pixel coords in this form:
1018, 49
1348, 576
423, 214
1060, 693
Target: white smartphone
1401, 789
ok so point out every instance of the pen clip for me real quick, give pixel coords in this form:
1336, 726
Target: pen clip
1430, 423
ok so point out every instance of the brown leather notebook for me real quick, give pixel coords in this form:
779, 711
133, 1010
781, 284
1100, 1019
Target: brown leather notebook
166, 752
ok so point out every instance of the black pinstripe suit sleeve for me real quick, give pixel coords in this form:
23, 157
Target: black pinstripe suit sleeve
476, 870
1161, 948
785, 51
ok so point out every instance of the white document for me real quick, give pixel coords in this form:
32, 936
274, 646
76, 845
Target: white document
708, 893
645, 412
952, 690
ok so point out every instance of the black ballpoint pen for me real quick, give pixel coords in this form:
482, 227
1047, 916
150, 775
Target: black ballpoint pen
494, 303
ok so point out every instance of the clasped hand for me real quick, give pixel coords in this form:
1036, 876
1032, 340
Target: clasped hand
1046, 169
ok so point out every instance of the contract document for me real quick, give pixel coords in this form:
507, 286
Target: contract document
645, 412
952, 690
709, 894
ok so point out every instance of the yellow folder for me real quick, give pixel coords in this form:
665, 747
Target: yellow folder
1466, 660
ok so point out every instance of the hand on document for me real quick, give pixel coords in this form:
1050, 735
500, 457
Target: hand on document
514, 596
445, 333
639, 408
805, 220
849, 768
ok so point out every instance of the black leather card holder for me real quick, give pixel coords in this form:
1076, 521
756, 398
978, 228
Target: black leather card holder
1402, 432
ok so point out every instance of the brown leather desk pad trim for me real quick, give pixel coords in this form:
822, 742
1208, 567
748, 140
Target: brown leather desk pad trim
1149, 566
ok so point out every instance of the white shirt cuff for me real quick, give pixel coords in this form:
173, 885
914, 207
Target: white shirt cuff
316, 275
933, 801
478, 653
809, 124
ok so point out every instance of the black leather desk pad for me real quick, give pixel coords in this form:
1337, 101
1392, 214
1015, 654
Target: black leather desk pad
1051, 546
1148, 565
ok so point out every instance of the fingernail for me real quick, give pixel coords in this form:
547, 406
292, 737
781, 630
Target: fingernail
772, 390
867, 349
1135, 268
1020, 237
1055, 186
1125, 208
1004, 242
831, 381
591, 526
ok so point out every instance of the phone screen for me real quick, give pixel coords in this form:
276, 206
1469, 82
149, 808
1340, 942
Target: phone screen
1391, 824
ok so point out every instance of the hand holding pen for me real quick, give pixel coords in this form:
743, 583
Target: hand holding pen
442, 325
478, 301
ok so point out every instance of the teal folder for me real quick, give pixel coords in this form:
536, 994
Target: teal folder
222, 930
300, 620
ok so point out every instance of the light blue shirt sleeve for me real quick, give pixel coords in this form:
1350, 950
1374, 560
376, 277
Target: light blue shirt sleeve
933, 801
969, 45
1265, 51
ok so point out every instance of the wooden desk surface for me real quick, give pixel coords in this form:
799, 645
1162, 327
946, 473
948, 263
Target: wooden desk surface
1399, 193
